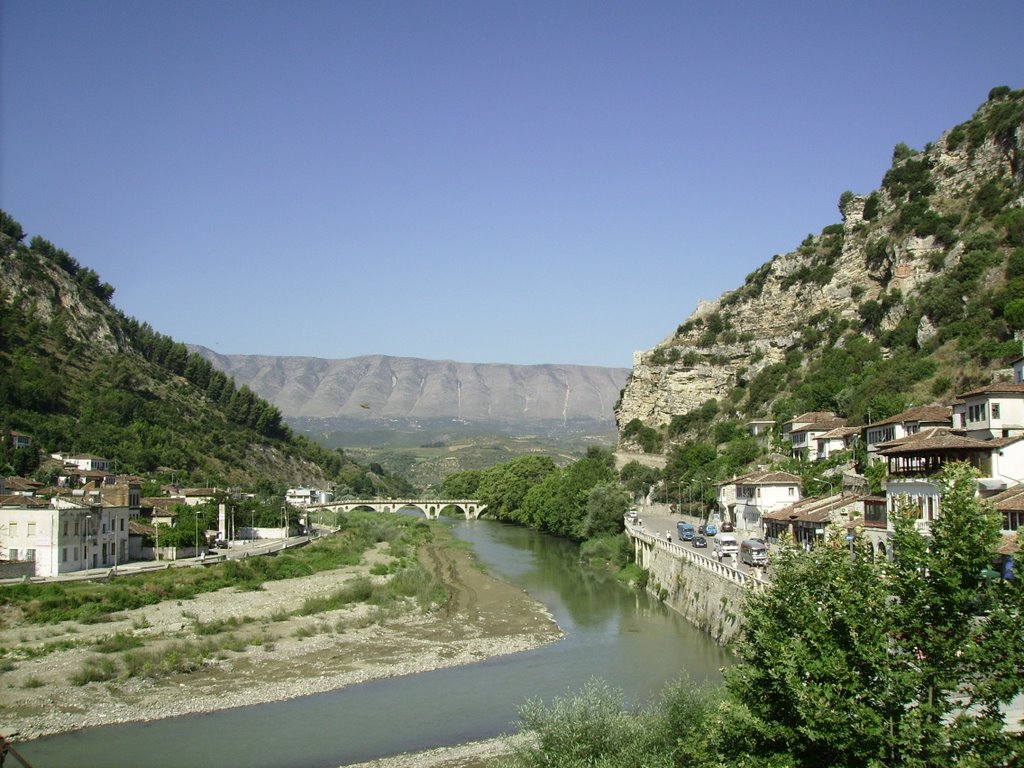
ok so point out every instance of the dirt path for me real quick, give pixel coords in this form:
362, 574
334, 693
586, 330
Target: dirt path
264, 653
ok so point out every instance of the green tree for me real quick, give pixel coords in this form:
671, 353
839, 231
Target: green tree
847, 661
605, 506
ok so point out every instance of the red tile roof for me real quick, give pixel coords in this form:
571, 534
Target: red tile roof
927, 413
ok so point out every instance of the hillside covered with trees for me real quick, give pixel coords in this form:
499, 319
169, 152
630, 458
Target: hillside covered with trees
82, 377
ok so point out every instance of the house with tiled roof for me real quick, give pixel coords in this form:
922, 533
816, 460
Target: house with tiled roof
63, 534
88, 462
22, 486
801, 432
160, 508
915, 460
1010, 506
19, 439
196, 496
908, 422
995, 410
744, 500
835, 440
807, 522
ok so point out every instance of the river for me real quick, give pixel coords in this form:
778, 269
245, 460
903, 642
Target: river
612, 633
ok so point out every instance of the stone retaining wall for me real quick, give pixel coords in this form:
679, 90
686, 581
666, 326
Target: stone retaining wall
708, 593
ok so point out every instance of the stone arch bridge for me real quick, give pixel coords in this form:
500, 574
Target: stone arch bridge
431, 508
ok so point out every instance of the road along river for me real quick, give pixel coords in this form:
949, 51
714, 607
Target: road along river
611, 632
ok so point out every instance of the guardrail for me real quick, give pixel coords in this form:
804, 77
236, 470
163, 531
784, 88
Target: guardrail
708, 563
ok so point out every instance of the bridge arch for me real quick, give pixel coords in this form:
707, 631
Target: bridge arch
431, 508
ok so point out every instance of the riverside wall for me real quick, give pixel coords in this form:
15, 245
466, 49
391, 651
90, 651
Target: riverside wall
708, 593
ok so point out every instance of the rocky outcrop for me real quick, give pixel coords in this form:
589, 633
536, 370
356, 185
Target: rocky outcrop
873, 255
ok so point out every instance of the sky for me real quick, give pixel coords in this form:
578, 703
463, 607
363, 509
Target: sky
524, 182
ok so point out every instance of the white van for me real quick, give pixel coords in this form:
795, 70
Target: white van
754, 552
725, 545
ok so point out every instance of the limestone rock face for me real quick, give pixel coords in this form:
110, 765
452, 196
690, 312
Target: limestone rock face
827, 279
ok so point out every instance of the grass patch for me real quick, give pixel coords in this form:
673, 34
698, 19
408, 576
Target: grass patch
96, 670
122, 641
92, 602
221, 625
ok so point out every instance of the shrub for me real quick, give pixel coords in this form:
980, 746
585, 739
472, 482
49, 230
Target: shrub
95, 670
122, 641
871, 207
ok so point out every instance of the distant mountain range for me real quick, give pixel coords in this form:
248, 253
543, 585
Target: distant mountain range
375, 389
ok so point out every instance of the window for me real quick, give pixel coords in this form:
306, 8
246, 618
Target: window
122, 523
30, 555
12, 529
995, 410
75, 550
30, 528
12, 554
64, 555
65, 527
791, 490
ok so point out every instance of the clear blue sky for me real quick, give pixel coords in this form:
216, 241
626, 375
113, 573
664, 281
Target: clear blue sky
521, 182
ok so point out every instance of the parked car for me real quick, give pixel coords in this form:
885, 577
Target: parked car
699, 541
220, 544
685, 531
710, 529
700, 528
727, 527
632, 516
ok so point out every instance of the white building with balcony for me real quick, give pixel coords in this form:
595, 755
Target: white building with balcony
744, 500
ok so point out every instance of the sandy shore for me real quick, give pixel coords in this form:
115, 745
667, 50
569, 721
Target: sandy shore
267, 654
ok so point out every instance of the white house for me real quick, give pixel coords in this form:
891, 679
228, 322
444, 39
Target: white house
65, 534
996, 410
303, 497
1010, 505
838, 439
745, 499
88, 462
802, 432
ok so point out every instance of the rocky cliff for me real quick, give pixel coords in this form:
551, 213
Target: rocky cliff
378, 387
901, 270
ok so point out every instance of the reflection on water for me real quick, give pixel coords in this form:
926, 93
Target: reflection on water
612, 633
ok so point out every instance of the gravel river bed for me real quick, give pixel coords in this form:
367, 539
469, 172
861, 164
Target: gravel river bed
268, 654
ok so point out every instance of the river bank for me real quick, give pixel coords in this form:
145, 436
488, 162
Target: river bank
264, 652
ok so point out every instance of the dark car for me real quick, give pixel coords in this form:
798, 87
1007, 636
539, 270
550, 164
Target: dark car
701, 528
727, 527
699, 541
220, 544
